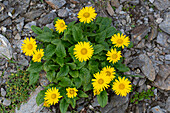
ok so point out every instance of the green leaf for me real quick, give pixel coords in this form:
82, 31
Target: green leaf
85, 77
130, 45
72, 65
73, 103
49, 65
122, 67
87, 87
60, 61
77, 33
74, 74
33, 78
80, 64
46, 29
63, 71
98, 48
71, 23
60, 50
102, 98
77, 82
65, 82
51, 75
49, 51
35, 67
100, 37
93, 66
104, 21
63, 106
40, 97
82, 94
56, 20
110, 32
36, 29
44, 37
56, 41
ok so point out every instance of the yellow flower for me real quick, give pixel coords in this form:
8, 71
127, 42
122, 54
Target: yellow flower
96, 92
100, 82
122, 86
110, 72
83, 51
46, 104
52, 96
120, 40
113, 55
38, 55
60, 25
29, 46
71, 92
87, 14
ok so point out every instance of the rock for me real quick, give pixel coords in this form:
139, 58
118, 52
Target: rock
109, 9
153, 33
56, 4
3, 92
6, 102
43, 79
115, 3
20, 26
162, 39
167, 57
151, 1
17, 36
134, 2
1, 7
168, 104
50, 26
161, 4
63, 13
156, 109
119, 9
5, 47
74, 1
159, 20
117, 104
6, 22
31, 105
95, 103
46, 19
3, 16
28, 25
165, 25
30, 16
136, 63
142, 81
3, 29
141, 44
139, 33
147, 69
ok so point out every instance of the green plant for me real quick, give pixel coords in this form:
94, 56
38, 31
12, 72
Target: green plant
142, 96
146, 37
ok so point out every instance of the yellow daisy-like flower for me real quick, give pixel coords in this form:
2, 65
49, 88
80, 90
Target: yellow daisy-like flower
29, 46
122, 86
46, 104
87, 14
113, 55
60, 25
100, 82
52, 96
38, 55
96, 92
83, 51
110, 72
71, 92
120, 40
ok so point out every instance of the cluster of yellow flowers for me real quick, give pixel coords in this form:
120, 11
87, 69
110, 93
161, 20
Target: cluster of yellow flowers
29, 48
52, 95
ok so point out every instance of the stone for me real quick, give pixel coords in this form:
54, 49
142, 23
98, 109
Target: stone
31, 105
151, 1
134, 2
75, 1
63, 13
6, 102
167, 57
159, 20
142, 81
6, 22
3, 92
5, 47
46, 19
56, 4
156, 109
3, 29
117, 104
165, 25
147, 69
115, 3
3, 16
43, 79
141, 44
2, 7
119, 9
17, 36
109, 9
136, 63
20, 26
30, 16
95, 103
50, 26
28, 25
162, 39
168, 104
153, 34
161, 4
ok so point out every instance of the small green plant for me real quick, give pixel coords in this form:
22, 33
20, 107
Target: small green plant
142, 96
133, 26
146, 37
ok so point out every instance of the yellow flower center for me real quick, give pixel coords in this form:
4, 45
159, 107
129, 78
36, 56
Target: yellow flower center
38, 56
84, 51
119, 41
61, 25
53, 96
29, 46
114, 56
71, 91
121, 86
86, 15
101, 81
108, 73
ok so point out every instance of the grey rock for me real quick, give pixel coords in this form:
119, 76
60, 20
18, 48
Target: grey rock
156, 109
2, 7
147, 69
161, 4
134, 2
3, 16
115, 3
23, 62
167, 57
30, 16
6, 22
46, 19
6, 102
95, 103
17, 36
20, 26
31, 106
165, 25
168, 104
153, 34
56, 4
141, 44
119, 9
162, 39
136, 63
1, 98
159, 20
43, 79
28, 25
109, 9
3, 92
3, 29
151, 1
5, 47
75, 1
63, 13
142, 81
